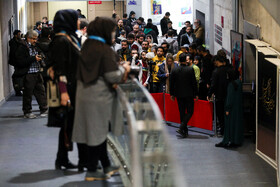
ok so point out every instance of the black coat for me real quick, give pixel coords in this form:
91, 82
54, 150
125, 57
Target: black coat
207, 68
219, 83
154, 27
183, 82
23, 60
64, 56
163, 25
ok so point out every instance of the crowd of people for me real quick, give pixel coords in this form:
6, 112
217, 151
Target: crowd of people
88, 59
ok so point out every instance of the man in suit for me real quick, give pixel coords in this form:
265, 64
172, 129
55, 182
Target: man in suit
183, 86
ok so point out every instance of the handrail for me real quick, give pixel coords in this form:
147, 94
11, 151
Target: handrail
150, 156
136, 166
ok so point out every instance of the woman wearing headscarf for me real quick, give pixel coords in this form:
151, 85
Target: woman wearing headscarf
98, 71
64, 53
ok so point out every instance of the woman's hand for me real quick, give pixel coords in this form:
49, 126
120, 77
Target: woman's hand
51, 73
65, 99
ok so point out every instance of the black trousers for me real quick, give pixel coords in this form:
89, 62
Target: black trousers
157, 87
96, 153
220, 112
64, 139
183, 104
203, 91
34, 84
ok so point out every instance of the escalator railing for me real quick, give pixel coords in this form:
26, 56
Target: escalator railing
143, 149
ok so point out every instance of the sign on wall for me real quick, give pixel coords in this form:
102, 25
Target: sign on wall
219, 35
95, 2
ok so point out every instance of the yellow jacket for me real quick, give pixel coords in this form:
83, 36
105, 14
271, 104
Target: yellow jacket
158, 62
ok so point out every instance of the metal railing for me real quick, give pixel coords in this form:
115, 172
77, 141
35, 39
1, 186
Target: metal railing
143, 149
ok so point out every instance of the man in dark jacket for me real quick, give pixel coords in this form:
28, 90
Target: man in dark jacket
183, 31
152, 26
164, 22
17, 79
219, 89
183, 86
206, 69
29, 63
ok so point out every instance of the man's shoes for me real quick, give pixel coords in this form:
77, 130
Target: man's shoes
183, 133
29, 116
44, 114
221, 144
97, 175
67, 165
19, 93
111, 170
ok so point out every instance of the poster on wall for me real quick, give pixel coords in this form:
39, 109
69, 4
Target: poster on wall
236, 39
156, 7
180, 12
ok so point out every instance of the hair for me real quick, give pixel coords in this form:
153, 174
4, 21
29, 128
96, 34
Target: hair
46, 32
130, 35
170, 32
84, 23
167, 14
159, 47
114, 15
140, 35
125, 15
16, 32
165, 43
144, 51
169, 56
141, 19
123, 32
150, 20
79, 10
45, 17
219, 58
103, 27
183, 57
188, 22
201, 48
31, 34
169, 22
193, 46
124, 41
197, 58
198, 21
222, 53
136, 25
131, 13
190, 56
38, 23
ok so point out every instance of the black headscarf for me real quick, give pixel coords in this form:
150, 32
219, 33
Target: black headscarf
66, 20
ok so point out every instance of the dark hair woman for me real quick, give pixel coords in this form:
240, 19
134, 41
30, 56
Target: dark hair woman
64, 54
98, 71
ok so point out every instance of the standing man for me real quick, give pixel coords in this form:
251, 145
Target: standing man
17, 77
183, 86
164, 23
199, 32
156, 86
82, 30
195, 68
188, 37
219, 89
30, 63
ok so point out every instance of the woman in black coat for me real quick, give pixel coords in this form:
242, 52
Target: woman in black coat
64, 53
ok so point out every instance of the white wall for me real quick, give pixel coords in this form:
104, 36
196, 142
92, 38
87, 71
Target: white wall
223, 8
53, 7
213, 10
206, 7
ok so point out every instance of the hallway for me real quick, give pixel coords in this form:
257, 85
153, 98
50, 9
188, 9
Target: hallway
28, 149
